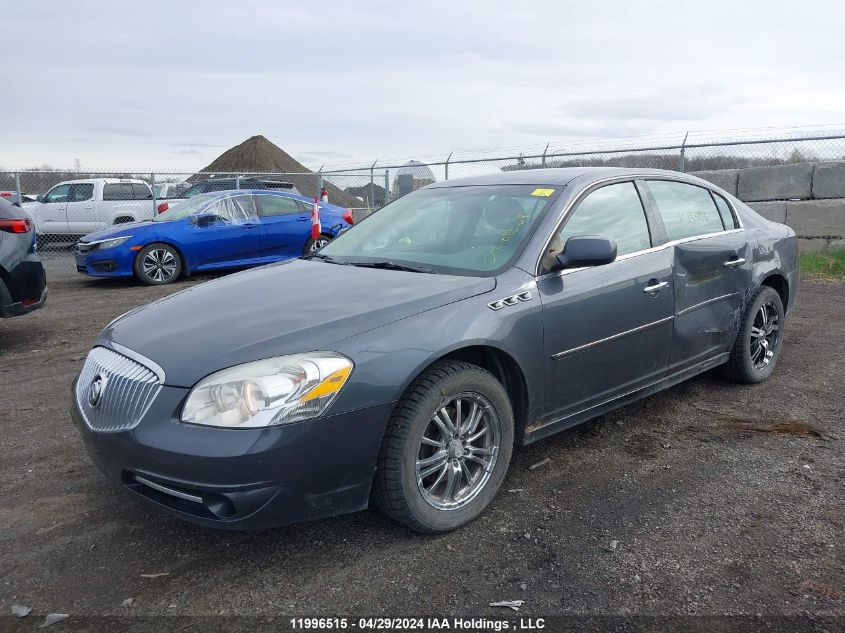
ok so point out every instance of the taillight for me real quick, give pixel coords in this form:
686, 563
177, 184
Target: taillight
162, 207
22, 225
6, 194
347, 215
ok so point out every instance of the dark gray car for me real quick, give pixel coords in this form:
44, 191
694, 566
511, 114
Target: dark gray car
23, 282
403, 361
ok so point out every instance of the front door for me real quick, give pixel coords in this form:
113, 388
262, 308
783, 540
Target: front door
230, 240
607, 329
712, 270
81, 214
51, 215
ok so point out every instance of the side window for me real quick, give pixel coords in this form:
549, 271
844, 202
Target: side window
80, 192
615, 212
269, 206
57, 194
235, 210
193, 190
686, 210
725, 211
141, 192
117, 191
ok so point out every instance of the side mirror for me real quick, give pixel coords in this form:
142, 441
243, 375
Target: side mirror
586, 250
205, 219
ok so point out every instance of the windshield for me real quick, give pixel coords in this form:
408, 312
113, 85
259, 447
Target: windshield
476, 230
185, 208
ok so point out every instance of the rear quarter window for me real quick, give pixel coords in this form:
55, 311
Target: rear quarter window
725, 211
141, 192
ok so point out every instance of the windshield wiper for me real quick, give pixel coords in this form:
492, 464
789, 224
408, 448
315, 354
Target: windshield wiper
389, 265
326, 258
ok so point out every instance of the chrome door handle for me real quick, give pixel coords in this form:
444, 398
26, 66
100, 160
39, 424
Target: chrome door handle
655, 288
733, 263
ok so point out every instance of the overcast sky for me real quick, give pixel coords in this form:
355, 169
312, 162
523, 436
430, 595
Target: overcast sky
170, 85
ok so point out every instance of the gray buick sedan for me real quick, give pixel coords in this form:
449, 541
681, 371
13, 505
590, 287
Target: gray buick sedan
402, 362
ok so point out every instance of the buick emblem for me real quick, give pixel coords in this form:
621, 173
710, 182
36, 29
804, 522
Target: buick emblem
95, 391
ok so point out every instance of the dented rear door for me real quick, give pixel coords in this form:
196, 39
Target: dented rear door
712, 267
711, 276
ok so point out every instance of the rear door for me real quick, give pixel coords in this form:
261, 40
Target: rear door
232, 240
607, 329
51, 215
285, 226
81, 211
115, 194
712, 269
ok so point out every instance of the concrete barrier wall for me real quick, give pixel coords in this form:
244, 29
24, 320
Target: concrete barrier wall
809, 197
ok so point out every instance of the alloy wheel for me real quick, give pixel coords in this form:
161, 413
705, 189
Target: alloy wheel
458, 451
318, 244
764, 335
159, 264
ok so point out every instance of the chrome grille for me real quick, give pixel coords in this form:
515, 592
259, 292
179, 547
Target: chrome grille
126, 390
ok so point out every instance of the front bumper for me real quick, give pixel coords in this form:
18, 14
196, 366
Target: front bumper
240, 479
112, 262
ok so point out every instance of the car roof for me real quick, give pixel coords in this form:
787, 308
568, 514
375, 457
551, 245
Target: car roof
108, 181
270, 192
552, 176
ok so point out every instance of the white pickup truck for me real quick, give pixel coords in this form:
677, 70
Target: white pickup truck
79, 207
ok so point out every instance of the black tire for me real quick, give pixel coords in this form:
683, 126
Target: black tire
396, 490
313, 245
751, 360
157, 264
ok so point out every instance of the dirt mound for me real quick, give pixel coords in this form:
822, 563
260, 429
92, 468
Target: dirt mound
259, 155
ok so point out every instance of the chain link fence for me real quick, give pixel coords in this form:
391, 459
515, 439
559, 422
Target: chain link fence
689, 152
68, 204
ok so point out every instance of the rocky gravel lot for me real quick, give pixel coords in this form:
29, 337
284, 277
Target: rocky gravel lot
707, 499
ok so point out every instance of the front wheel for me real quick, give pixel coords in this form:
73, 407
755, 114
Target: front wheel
158, 264
446, 449
759, 340
313, 245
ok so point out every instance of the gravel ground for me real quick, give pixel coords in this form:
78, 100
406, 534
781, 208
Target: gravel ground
707, 499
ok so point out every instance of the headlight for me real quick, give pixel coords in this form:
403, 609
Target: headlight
112, 243
268, 392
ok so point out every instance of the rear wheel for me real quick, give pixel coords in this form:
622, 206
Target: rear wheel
759, 340
158, 264
313, 245
446, 449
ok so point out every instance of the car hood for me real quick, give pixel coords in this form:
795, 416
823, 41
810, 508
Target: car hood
296, 306
119, 230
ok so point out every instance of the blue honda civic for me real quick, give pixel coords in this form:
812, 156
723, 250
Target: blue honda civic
223, 229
